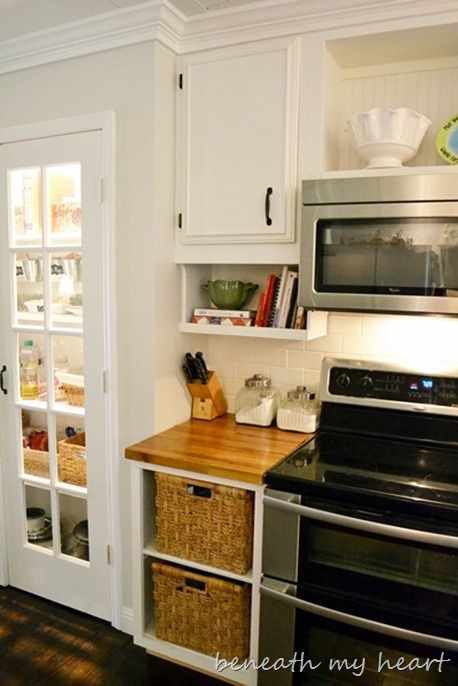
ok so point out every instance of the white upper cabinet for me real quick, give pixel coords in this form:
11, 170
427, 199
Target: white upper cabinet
237, 151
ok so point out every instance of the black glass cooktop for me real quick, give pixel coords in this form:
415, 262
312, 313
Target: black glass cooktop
382, 462
379, 465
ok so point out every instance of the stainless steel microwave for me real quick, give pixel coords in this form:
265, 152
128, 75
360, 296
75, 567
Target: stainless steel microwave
380, 244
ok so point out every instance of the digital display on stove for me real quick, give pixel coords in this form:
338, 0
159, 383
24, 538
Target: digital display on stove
421, 385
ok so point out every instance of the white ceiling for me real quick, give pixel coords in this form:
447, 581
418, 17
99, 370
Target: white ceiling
20, 17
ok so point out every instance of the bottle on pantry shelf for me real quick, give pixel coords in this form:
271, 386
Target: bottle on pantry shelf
300, 411
256, 402
29, 363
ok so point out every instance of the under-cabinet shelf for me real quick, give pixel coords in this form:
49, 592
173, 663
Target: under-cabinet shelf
194, 295
316, 326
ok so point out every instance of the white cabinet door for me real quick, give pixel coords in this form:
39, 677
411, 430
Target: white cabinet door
55, 484
237, 139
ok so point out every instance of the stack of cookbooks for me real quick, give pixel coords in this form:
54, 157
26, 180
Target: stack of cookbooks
210, 315
278, 306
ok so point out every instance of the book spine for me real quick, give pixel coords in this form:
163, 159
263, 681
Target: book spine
291, 277
271, 315
269, 294
279, 296
211, 312
261, 309
221, 321
299, 321
293, 305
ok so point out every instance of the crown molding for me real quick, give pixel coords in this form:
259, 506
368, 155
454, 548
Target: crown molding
154, 20
270, 18
161, 21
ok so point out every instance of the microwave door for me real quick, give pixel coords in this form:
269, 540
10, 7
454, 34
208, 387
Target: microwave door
380, 257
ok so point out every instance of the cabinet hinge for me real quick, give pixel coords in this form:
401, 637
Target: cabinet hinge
105, 381
180, 81
109, 554
180, 220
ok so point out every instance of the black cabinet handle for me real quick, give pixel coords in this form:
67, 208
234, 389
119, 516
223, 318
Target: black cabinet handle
2, 387
269, 192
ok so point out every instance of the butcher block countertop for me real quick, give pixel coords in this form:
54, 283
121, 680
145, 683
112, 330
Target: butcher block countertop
218, 448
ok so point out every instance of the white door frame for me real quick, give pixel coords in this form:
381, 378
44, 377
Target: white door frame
105, 123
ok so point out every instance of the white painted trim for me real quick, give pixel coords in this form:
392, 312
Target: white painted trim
153, 20
127, 623
4, 576
110, 348
159, 20
104, 122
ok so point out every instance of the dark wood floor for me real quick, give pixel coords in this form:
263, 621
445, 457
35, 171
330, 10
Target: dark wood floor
42, 643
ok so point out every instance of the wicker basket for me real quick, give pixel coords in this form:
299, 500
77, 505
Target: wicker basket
74, 394
204, 522
36, 462
72, 460
201, 612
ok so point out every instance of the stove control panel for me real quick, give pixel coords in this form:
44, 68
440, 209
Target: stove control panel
398, 386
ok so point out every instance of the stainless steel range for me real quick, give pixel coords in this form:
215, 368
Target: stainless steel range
360, 560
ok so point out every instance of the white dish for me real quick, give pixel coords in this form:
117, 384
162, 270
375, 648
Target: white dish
386, 137
44, 534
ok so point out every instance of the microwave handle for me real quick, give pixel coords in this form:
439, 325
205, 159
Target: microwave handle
336, 519
286, 593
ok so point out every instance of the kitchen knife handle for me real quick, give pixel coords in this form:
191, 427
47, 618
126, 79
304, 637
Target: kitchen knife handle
2, 386
269, 192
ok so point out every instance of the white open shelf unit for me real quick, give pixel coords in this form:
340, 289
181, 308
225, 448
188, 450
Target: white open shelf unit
193, 295
144, 492
415, 68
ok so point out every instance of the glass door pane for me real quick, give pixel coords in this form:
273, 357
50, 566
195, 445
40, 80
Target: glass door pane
63, 203
25, 206
56, 477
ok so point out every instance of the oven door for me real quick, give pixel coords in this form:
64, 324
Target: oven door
359, 593
380, 256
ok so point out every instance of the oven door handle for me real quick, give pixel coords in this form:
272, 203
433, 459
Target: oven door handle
366, 525
286, 593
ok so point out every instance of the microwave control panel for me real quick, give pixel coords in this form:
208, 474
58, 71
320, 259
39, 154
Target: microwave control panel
398, 386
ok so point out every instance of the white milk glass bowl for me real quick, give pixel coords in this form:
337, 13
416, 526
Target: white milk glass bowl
386, 137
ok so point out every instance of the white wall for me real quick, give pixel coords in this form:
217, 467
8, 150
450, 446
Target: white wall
422, 340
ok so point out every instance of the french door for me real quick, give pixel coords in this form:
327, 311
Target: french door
53, 439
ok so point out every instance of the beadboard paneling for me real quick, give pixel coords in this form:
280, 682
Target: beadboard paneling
428, 88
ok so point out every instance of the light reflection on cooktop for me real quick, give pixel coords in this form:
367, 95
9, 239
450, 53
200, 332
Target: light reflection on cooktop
395, 467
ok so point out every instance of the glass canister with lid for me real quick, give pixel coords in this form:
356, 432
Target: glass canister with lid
300, 411
257, 401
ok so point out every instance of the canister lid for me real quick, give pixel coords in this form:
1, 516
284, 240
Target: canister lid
258, 381
304, 394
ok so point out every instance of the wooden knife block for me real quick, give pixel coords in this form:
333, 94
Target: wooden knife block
208, 399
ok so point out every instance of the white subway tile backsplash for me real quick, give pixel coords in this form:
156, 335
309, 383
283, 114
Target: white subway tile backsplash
287, 376
347, 324
307, 359
312, 380
247, 369
403, 339
332, 343
272, 355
